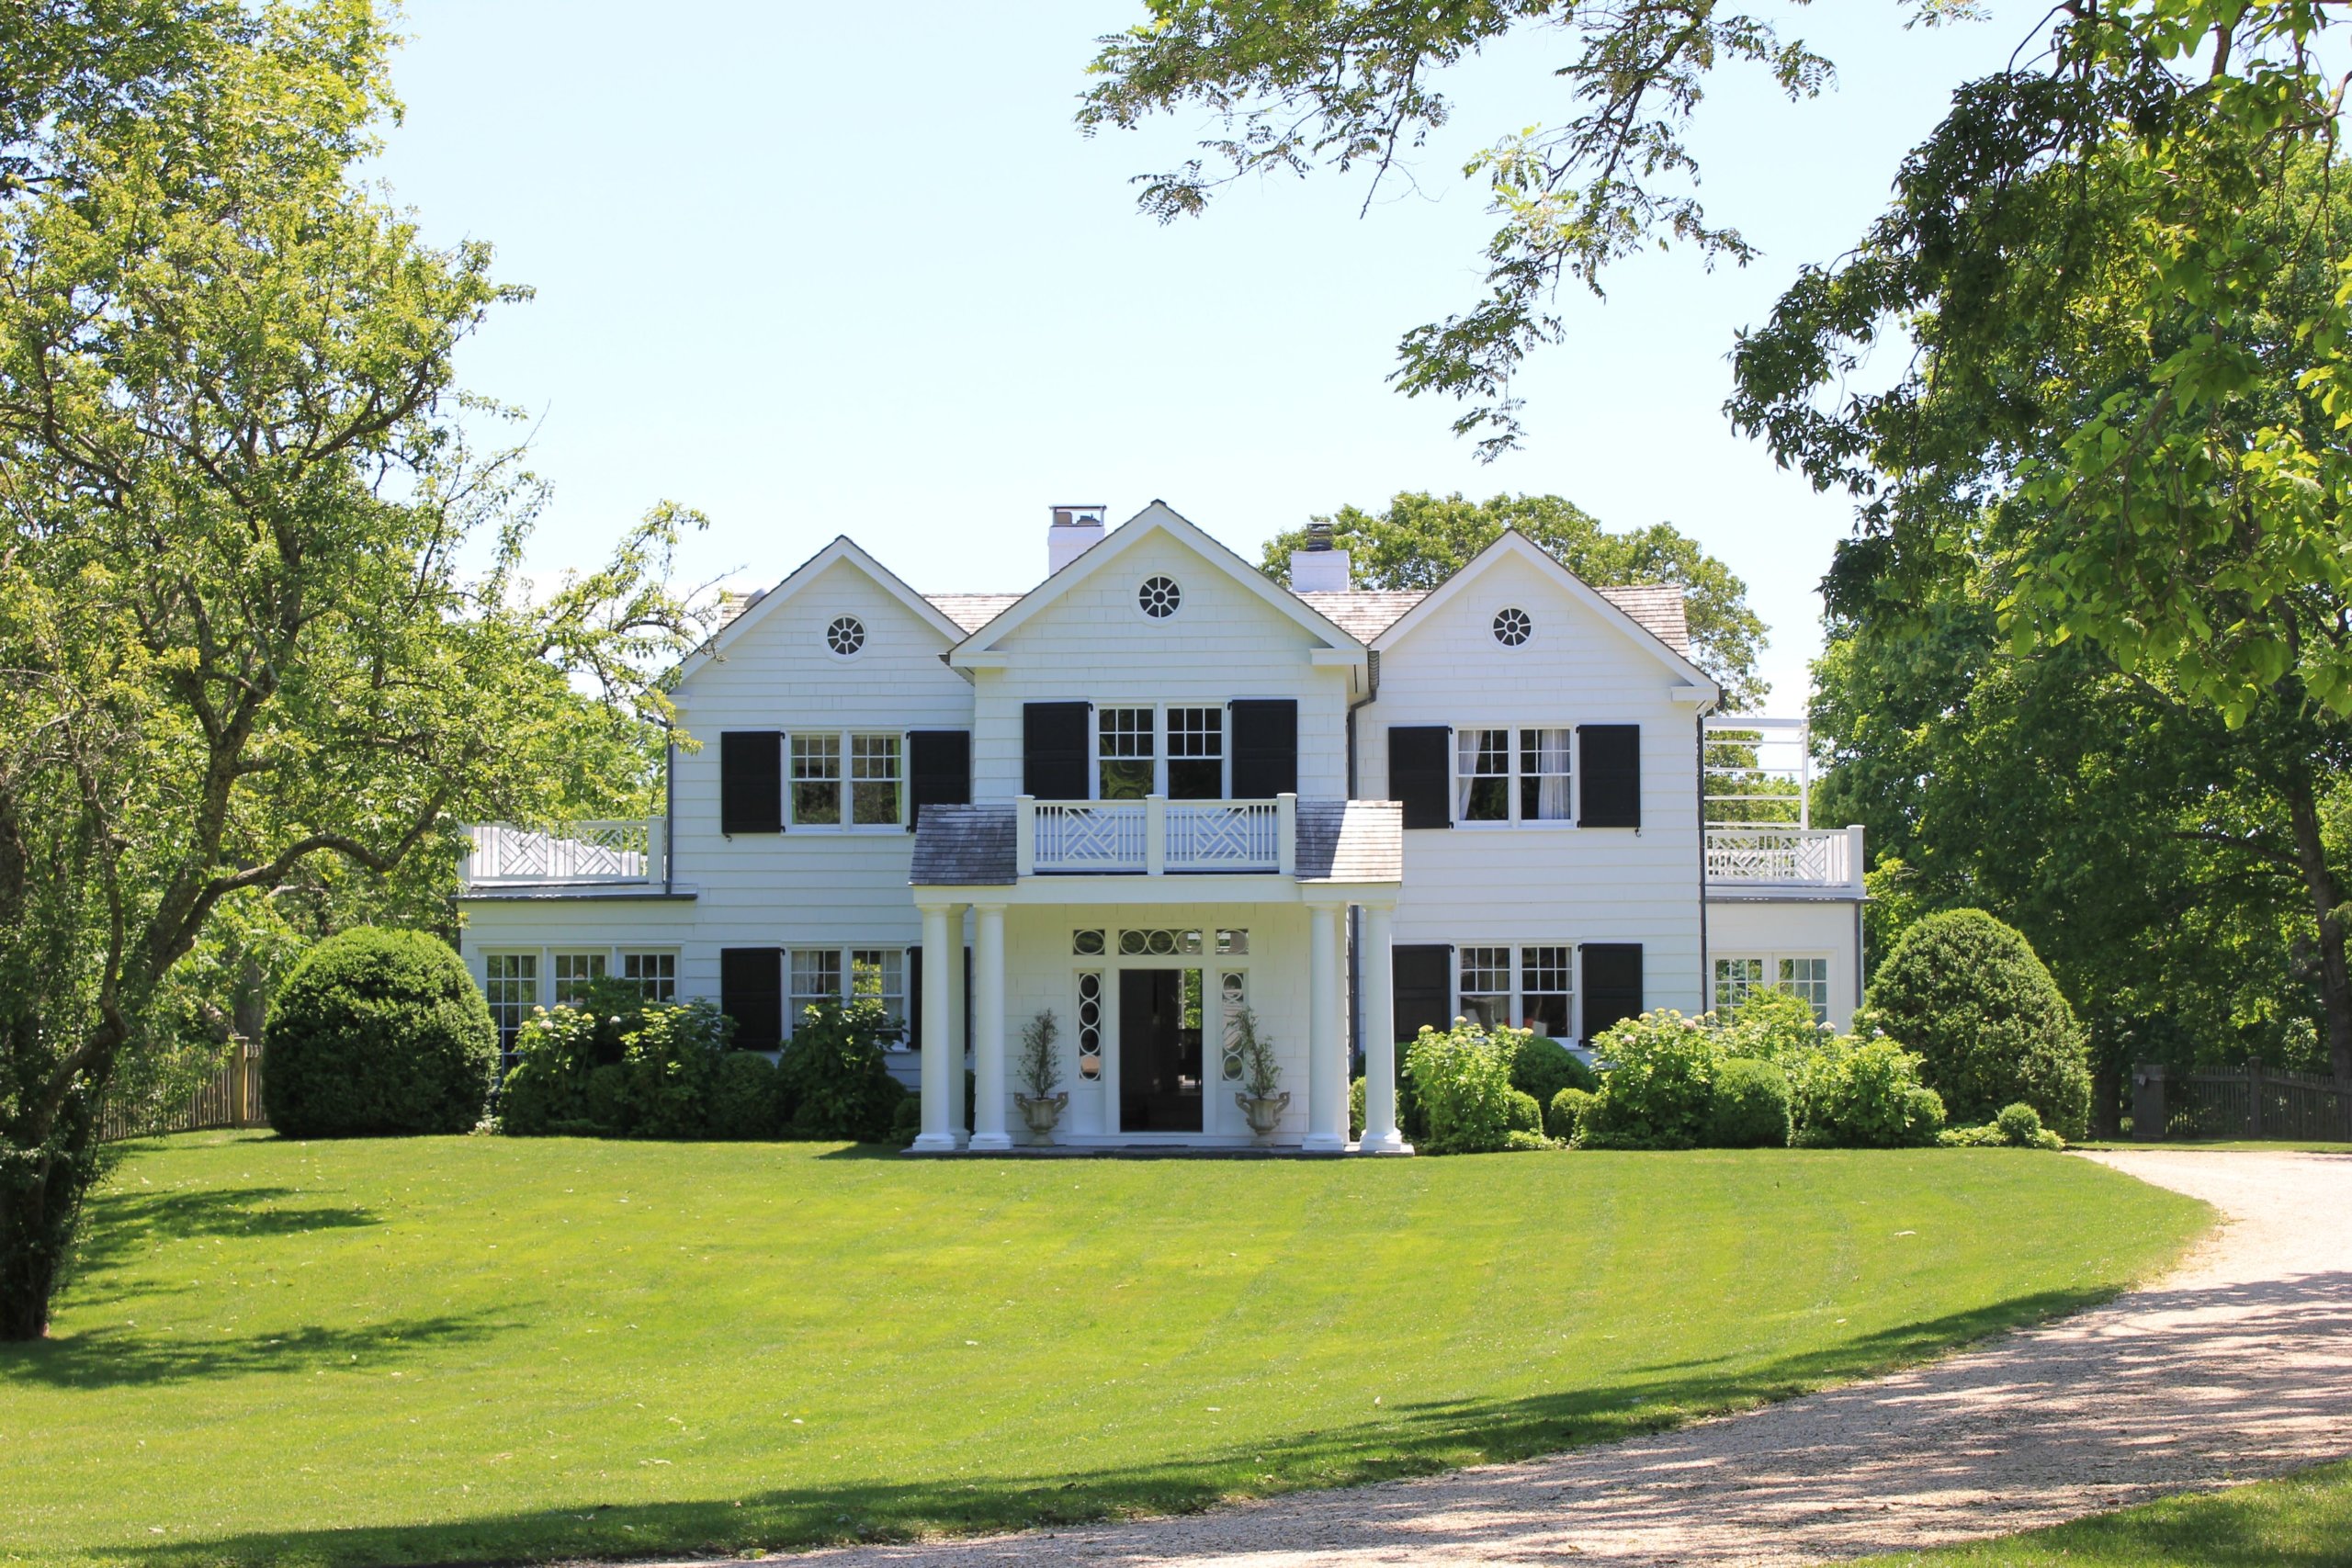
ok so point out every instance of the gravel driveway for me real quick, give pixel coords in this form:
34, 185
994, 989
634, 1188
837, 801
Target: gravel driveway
2238, 1365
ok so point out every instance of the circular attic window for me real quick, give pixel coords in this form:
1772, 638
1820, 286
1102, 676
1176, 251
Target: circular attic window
1513, 627
845, 636
1158, 597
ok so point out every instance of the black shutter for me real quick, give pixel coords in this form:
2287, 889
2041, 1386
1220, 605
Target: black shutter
1265, 748
1053, 749
1424, 988
1612, 984
751, 781
1608, 759
939, 770
750, 991
1420, 774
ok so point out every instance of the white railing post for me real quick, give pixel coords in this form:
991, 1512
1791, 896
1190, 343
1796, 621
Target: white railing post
1286, 835
1854, 855
1155, 835
654, 849
1024, 835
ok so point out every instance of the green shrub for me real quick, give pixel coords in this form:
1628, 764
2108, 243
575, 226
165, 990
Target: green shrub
1984, 1137
1520, 1138
670, 1057
1656, 1084
1750, 1109
746, 1099
906, 1120
1543, 1067
1355, 1109
1521, 1113
1770, 1025
1865, 1094
1967, 993
546, 1090
835, 1078
1461, 1081
1565, 1119
378, 1031
604, 1102
2019, 1123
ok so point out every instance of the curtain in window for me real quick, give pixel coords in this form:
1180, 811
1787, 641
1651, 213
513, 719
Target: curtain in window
1552, 766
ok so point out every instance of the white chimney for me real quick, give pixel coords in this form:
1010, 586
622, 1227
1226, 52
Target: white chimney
1076, 530
1319, 569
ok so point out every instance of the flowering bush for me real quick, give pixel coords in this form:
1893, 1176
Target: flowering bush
1864, 1094
1462, 1079
1658, 1079
834, 1076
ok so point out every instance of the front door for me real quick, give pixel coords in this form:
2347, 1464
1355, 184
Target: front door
1159, 1051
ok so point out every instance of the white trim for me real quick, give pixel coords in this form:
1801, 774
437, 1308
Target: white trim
842, 548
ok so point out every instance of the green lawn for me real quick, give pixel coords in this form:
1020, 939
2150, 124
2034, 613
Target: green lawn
459, 1350
2301, 1521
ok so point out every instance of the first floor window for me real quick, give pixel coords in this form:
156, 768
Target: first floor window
572, 973
655, 974
1735, 978
1545, 989
1543, 775
1524, 987
1808, 977
510, 985
873, 780
1482, 781
1123, 753
817, 779
1739, 978
879, 975
1486, 986
816, 977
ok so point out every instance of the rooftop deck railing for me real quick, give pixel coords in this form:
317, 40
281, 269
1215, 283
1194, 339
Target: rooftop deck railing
1765, 856
618, 852
1156, 836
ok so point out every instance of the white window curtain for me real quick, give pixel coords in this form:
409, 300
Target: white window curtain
1550, 754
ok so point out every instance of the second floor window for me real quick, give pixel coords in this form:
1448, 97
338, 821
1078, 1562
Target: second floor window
1123, 754
847, 780
815, 779
1196, 754
873, 780
1512, 775
1482, 775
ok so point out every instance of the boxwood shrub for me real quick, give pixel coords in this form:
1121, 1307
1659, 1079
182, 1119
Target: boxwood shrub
1751, 1106
378, 1031
1542, 1068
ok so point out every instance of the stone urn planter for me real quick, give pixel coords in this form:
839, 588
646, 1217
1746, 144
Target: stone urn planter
1041, 1112
1265, 1113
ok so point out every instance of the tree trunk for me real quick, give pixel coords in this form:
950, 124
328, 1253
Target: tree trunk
2327, 901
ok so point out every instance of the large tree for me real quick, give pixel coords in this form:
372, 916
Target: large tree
260, 610
1418, 540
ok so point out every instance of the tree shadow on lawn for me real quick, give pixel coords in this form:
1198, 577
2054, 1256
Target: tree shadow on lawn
1409, 1440
125, 1222
119, 1356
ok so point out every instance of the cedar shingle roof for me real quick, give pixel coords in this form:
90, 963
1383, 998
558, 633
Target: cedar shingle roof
1350, 840
972, 611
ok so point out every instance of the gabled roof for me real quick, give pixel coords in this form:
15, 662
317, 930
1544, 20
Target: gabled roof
1157, 518
1656, 607
1602, 602
842, 548
972, 611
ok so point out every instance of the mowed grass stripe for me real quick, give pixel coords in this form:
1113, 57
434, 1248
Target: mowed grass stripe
439, 1351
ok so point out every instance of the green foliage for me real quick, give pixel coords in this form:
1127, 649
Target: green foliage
1419, 540
378, 1031
1038, 1070
906, 1120
1967, 993
546, 1089
1262, 1072
1355, 1109
835, 1078
2019, 1123
1772, 1025
671, 1058
1522, 1113
1656, 1084
746, 1097
1860, 1093
1564, 1119
603, 1102
1750, 1107
614, 1067
1542, 1066
1462, 1083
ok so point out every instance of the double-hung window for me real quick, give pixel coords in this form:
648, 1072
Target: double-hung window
844, 779
572, 973
816, 977
1482, 775
1543, 775
1531, 986
846, 975
879, 975
1486, 986
655, 974
1196, 754
1512, 775
1545, 989
1740, 975
815, 779
1123, 754
873, 780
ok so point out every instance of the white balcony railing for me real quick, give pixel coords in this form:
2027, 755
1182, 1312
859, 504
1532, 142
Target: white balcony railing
570, 851
1155, 836
1785, 857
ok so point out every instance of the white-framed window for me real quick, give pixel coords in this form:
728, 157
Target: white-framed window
873, 780
815, 779
816, 977
655, 974
1529, 985
843, 974
510, 985
1514, 775
572, 973
1740, 974
879, 975
1125, 757
1196, 753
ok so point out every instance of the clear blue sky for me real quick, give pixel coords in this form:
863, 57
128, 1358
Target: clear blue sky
820, 269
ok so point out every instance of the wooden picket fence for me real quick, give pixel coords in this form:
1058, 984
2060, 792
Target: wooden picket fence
2254, 1102
231, 1098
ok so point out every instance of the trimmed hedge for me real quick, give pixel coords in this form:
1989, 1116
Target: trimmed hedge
1751, 1106
1991, 1027
1543, 1067
377, 1033
1564, 1119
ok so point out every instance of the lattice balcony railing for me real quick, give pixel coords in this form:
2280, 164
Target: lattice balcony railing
569, 851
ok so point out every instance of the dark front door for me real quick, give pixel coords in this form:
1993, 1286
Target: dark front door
1160, 1059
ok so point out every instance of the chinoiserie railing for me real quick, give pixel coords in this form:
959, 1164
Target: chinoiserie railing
1758, 856
1155, 836
567, 851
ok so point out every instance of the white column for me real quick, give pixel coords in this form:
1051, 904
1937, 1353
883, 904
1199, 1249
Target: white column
959, 1033
943, 1075
988, 1030
1327, 1077
1380, 1133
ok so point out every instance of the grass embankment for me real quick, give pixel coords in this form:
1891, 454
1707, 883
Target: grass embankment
436, 1350
2298, 1521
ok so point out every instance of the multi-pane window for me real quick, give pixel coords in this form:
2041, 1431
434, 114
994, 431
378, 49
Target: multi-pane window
1546, 990
1486, 986
1735, 979
511, 984
655, 974
873, 780
1483, 776
815, 779
1196, 753
1808, 977
816, 977
1123, 754
572, 973
879, 975
1543, 775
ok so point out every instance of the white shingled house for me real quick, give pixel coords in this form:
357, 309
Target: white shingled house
1160, 788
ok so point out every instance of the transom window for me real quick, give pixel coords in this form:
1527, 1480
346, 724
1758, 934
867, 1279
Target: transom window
572, 973
1514, 776
655, 974
1123, 754
1196, 753
1159, 597
1159, 944
868, 792
845, 636
1086, 944
1529, 987
1513, 627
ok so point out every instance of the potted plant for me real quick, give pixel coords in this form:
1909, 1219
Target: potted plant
1041, 1074
1262, 1098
